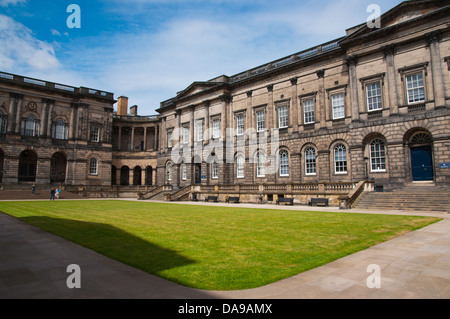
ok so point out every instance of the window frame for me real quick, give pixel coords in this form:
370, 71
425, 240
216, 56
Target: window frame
94, 134
214, 170
336, 113
183, 171
25, 130
307, 113
342, 164
310, 163
381, 157
240, 127
93, 167
260, 121
407, 89
260, 165
283, 116
240, 169
284, 165
216, 130
378, 97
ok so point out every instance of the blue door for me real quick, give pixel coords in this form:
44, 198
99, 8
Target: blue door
422, 163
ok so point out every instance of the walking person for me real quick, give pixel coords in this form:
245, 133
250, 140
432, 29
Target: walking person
52, 194
33, 190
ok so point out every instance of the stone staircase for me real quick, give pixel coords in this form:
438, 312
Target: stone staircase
413, 197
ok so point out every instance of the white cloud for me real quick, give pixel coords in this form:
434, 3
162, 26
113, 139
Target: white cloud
5, 3
21, 51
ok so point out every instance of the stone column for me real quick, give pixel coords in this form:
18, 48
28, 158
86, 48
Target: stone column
438, 81
207, 104
270, 108
10, 128
132, 140
321, 98
351, 62
293, 117
43, 128
145, 139
389, 52
50, 118
19, 114
119, 142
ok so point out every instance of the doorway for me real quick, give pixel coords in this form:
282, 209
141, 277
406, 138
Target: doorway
422, 163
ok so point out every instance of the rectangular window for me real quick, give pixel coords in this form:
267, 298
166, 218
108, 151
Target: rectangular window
215, 170
183, 171
337, 102
260, 166
308, 110
240, 127
373, 95
283, 119
169, 139
95, 134
185, 135
216, 128
93, 167
415, 88
260, 121
200, 131
240, 167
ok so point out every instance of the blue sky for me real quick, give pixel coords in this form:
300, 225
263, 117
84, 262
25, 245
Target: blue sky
150, 49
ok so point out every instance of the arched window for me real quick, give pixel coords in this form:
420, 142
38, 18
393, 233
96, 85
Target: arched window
340, 159
284, 163
310, 161
260, 166
183, 171
240, 166
30, 127
377, 156
214, 170
60, 130
169, 171
93, 166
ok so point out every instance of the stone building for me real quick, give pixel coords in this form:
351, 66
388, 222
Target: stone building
53, 133
374, 104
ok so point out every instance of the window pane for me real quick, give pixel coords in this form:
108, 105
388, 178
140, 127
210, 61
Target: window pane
337, 101
308, 108
284, 163
240, 166
373, 92
415, 88
260, 166
240, 124
93, 167
216, 129
340, 158
283, 116
310, 161
260, 121
377, 155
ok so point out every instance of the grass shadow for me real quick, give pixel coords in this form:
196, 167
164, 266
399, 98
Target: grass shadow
112, 242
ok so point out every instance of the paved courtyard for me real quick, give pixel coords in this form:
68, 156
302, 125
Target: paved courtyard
33, 264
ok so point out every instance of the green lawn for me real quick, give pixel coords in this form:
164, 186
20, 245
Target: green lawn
211, 247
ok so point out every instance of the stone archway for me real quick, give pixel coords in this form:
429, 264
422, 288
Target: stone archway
125, 176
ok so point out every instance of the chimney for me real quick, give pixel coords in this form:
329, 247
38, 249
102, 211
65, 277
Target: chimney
134, 110
122, 106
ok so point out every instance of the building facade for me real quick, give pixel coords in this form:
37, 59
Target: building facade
53, 133
372, 104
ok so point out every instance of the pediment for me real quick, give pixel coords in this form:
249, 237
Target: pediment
195, 88
405, 11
